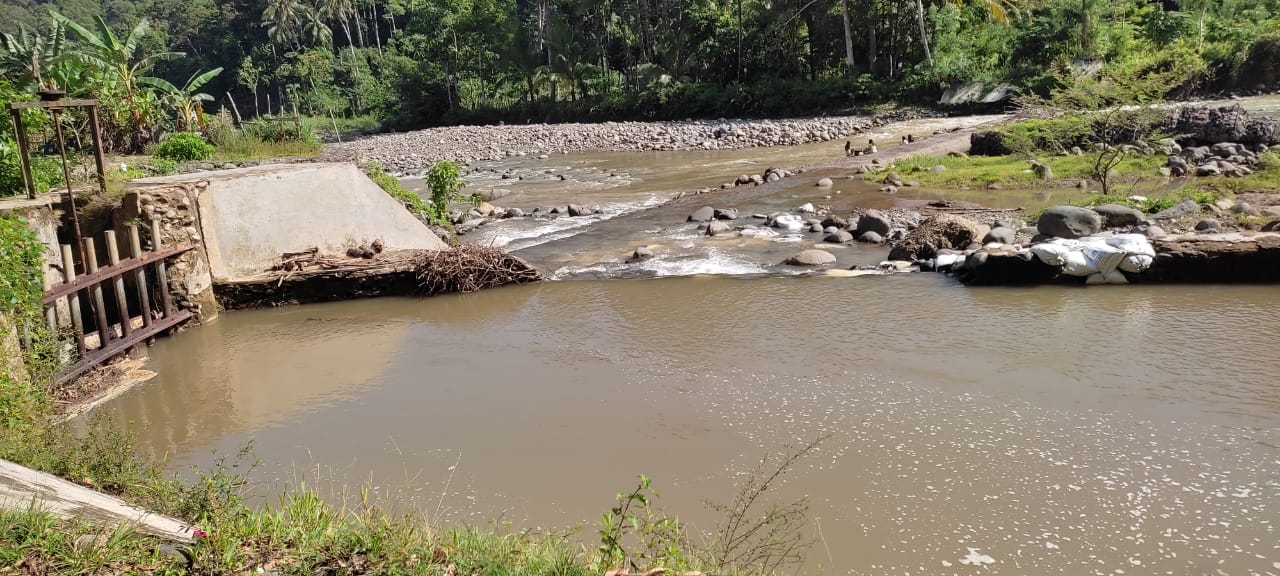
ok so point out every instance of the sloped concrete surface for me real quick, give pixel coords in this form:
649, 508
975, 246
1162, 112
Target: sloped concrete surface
248, 217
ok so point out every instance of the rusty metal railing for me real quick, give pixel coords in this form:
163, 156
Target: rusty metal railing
115, 328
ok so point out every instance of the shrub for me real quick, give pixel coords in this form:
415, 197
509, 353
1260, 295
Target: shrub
185, 147
46, 171
163, 166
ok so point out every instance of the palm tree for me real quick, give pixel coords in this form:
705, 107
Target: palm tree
339, 10
187, 101
314, 29
282, 17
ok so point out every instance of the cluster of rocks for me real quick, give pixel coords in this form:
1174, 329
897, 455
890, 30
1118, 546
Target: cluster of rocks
1222, 159
870, 226
412, 152
468, 220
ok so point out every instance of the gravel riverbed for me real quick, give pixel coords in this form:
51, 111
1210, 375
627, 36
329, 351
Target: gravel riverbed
411, 153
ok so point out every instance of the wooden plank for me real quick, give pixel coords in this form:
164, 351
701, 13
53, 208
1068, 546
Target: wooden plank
22, 488
118, 346
82, 282
64, 103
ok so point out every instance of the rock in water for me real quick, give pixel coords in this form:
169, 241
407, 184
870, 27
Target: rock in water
641, 253
943, 231
839, 237
1000, 235
576, 210
1116, 215
811, 258
870, 237
1069, 222
726, 214
1044, 171
806, 208
872, 221
824, 183
703, 214
717, 227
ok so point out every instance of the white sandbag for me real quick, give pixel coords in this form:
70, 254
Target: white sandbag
1075, 264
1131, 244
944, 260
1104, 258
1050, 253
1136, 263
1113, 277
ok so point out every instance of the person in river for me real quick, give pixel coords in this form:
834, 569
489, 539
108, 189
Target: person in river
871, 147
848, 148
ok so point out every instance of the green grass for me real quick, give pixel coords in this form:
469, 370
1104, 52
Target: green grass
348, 128
241, 146
1015, 170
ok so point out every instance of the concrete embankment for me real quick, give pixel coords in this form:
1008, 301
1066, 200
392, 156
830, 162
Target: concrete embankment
22, 488
244, 220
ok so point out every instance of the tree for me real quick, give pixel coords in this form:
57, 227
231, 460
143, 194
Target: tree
250, 76
30, 53
282, 19
187, 101
314, 30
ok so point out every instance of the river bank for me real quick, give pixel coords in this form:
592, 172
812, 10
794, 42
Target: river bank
413, 152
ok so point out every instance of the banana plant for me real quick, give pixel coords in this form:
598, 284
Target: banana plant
121, 61
28, 54
187, 101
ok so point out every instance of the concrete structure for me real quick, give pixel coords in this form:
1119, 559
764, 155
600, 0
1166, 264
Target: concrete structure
247, 217
22, 488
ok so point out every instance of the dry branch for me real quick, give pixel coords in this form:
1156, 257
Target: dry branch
470, 268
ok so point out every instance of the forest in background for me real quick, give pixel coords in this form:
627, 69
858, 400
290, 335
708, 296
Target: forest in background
411, 63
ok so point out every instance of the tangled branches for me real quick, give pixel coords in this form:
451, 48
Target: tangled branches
470, 268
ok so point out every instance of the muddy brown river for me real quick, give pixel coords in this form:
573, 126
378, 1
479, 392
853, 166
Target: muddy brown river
1101, 430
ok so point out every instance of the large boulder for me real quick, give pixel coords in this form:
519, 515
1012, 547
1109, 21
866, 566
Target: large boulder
703, 214
943, 231
1000, 235
726, 213
988, 143
1211, 125
873, 221
716, 228
1069, 222
839, 237
1114, 215
810, 258
1180, 210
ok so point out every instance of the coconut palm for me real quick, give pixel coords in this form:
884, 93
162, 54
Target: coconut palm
187, 101
339, 10
282, 19
314, 30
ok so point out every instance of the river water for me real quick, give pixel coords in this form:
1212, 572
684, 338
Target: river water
1104, 430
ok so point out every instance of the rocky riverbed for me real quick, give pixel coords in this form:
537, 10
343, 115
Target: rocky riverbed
414, 152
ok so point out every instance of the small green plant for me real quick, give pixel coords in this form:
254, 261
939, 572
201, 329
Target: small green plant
163, 166
45, 171
445, 181
636, 535
392, 186
185, 147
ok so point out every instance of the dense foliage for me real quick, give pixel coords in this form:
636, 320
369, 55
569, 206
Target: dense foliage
411, 63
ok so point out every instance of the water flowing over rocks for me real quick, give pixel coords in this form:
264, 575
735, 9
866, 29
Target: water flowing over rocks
414, 152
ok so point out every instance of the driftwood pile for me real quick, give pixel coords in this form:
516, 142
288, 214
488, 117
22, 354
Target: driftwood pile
461, 269
470, 268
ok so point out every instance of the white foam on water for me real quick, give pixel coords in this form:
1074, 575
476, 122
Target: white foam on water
714, 263
562, 227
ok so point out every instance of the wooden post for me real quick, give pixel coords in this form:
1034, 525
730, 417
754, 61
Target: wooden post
144, 296
235, 109
165, 300
20, 131
117, 286
98, 157
51, 310
73, 300
105, 332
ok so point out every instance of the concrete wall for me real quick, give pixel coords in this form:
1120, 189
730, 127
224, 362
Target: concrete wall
248, 217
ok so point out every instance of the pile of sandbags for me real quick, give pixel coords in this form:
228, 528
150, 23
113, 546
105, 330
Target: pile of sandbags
1100, 259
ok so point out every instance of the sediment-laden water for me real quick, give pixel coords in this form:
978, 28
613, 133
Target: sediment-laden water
1102, 430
